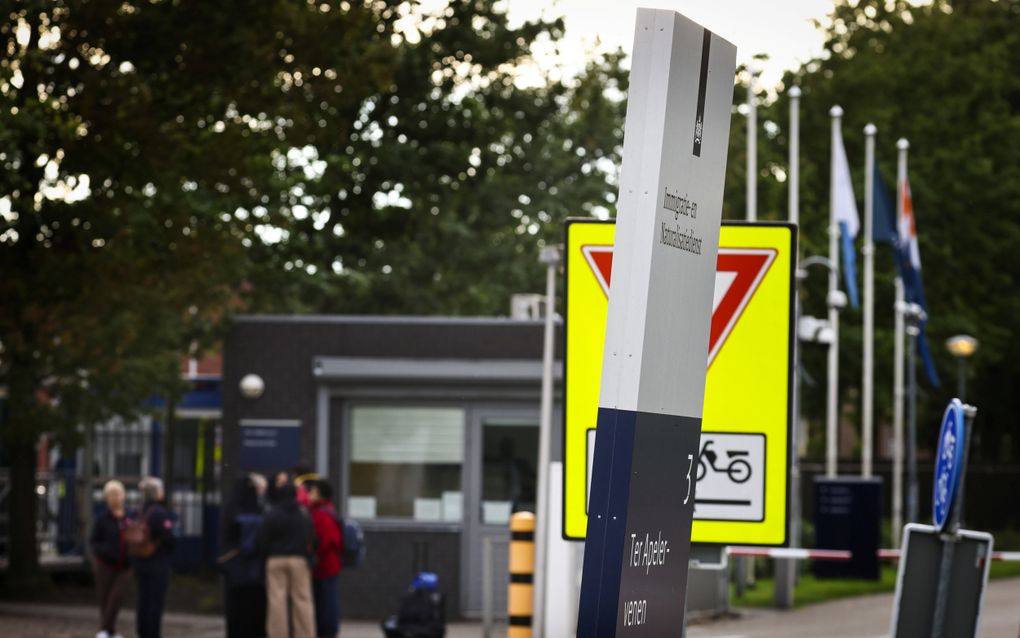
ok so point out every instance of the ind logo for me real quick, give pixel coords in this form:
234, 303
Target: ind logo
699, 117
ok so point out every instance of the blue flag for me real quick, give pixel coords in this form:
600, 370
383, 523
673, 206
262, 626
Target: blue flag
883, 226
849, 263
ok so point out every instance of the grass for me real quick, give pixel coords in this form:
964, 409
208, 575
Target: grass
811, 590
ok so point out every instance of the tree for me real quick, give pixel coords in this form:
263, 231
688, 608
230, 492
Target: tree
165, 162
437, 199
944, 76
130, 133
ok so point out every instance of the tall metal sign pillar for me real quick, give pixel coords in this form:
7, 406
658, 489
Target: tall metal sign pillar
651, 398
832, 394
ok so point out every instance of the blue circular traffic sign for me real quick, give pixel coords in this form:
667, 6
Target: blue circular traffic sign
948, 463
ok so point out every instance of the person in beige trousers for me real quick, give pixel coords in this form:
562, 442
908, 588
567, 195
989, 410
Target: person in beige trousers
287, 540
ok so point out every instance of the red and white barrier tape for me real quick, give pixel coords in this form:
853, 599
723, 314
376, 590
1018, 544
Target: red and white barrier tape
833, 554
791, 552
894, 554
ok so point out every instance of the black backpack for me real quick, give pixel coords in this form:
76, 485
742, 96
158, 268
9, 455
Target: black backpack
422, 615
243, 565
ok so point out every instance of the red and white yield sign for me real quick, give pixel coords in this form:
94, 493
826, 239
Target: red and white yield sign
739, 272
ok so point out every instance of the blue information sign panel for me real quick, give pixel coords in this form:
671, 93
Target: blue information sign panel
269, 444
948, 463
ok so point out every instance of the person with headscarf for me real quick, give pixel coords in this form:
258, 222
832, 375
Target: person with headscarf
244, 592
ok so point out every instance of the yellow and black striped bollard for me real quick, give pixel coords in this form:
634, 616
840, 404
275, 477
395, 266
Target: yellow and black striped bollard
520, 600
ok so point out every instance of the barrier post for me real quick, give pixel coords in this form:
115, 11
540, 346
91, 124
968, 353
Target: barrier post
520, 600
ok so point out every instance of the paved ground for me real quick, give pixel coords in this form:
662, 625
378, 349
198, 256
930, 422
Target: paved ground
863, 617
75, 621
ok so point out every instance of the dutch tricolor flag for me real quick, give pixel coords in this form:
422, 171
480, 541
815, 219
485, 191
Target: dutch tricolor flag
910, 259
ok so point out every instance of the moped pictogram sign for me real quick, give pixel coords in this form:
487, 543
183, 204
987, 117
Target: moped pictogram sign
743, 463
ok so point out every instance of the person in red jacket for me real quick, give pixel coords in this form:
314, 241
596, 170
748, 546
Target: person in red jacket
328, 565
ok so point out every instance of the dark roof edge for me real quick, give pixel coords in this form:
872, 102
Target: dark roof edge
389, 319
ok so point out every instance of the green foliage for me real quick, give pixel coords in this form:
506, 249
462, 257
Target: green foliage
306, 157
945, 77
811, 590
453, 176
166, 163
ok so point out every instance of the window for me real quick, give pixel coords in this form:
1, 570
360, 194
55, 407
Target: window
405, 462
509, 463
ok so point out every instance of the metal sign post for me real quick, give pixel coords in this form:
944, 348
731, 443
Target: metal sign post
947, 602
918, 581
950, 465
651, 395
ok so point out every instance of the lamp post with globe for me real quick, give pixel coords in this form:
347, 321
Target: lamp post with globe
963, 348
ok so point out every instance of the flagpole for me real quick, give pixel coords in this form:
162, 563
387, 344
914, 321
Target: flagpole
832, 398
786, 569
902, 147
752, 148
794, 191
867, 387
897, 477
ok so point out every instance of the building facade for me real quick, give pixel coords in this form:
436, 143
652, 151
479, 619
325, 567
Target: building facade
427, 427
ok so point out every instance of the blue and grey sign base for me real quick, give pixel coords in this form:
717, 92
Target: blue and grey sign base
944, 569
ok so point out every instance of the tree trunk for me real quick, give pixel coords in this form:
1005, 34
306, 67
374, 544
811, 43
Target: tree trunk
24, 575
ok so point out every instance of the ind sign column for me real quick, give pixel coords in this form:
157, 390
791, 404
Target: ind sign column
657, 331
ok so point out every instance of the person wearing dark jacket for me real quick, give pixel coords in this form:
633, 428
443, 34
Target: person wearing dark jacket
287, 540
328, 564
242, 566
152, 571
110, 559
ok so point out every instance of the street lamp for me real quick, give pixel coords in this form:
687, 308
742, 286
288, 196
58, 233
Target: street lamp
914, 315
252, 386
816, 330
962, 347
826, 332
549, 256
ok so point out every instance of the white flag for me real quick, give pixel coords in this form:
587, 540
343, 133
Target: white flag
844, 200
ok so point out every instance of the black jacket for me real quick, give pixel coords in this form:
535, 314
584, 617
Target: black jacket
107, 539
161, 526
286, 530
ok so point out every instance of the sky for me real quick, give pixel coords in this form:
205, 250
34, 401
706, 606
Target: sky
782, 29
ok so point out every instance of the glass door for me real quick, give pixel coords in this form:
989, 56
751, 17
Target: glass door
505, 449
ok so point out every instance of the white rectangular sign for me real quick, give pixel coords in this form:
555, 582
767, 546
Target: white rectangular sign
731, 477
